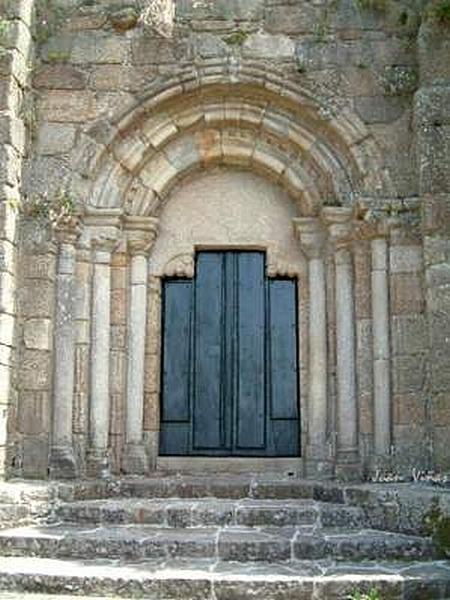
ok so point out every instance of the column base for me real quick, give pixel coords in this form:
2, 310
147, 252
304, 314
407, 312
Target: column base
62, 463
135, 460
319, 469
348, 466
97, 463
318, 464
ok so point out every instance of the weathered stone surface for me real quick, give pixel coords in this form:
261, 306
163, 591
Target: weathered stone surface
291, 19
440, 369
37, 300
55, 138
60, 76
34, 413
221, 9
37, 334
12, 131
93, 47
409, 408
269, 46
406, 259
407, 294
440, 410
409, 334
65, 106
110, 77
35, 456
380, 109
409, 374
36, 371
433, 105
147, 50
124, 19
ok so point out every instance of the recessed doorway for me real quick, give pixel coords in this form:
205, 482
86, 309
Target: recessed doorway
230, 360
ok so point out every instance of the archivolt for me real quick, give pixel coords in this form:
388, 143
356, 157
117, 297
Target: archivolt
245, 116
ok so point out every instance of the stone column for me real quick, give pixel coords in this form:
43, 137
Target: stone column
381, 349
98, 453
62, 463
140, 242
339, 220
312, 240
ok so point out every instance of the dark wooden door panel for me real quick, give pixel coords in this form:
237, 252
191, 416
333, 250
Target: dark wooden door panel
176, 413
250, 400
230, 365
176, 360
282, 344
209, 352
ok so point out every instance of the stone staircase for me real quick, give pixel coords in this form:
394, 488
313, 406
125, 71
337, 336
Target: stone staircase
221, 538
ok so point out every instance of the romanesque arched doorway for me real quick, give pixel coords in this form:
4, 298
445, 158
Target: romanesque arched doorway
320, 161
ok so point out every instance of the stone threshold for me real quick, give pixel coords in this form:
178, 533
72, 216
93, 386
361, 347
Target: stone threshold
282, 467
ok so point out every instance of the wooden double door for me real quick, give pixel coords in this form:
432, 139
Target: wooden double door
230, 363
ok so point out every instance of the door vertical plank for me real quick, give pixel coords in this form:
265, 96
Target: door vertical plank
209, 354
175, 427
250, 400
283, 368
283, 349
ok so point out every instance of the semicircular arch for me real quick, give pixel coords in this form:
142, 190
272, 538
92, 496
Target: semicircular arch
243, 115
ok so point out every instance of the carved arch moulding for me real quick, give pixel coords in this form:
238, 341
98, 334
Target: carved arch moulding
242, 115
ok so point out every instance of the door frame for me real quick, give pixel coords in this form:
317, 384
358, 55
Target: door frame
184, 267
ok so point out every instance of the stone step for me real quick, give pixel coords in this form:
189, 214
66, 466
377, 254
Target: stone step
231, 487
21, 595
240, 544
209, 580
13, 513
210, 512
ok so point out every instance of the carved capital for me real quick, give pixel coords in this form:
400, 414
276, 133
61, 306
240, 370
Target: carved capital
311, 234
140, 233
67, 231
366, 231
182, 265
282, 269
339, 221
104, 241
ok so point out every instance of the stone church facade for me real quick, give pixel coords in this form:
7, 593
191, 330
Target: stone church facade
316, 134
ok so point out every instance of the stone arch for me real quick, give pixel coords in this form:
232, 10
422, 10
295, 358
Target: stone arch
224, 113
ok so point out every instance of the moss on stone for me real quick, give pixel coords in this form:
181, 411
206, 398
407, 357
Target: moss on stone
437, 525
237, 38
379, 5
441, 12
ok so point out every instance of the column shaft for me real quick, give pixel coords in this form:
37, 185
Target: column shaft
100, 347
62, 459
135, 459
347, 414
381, 348
318, 359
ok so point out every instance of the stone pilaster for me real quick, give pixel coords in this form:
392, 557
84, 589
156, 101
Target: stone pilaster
339, 221
62, 462
82, 357
103, 241
381, 349
312, 241
141, 234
